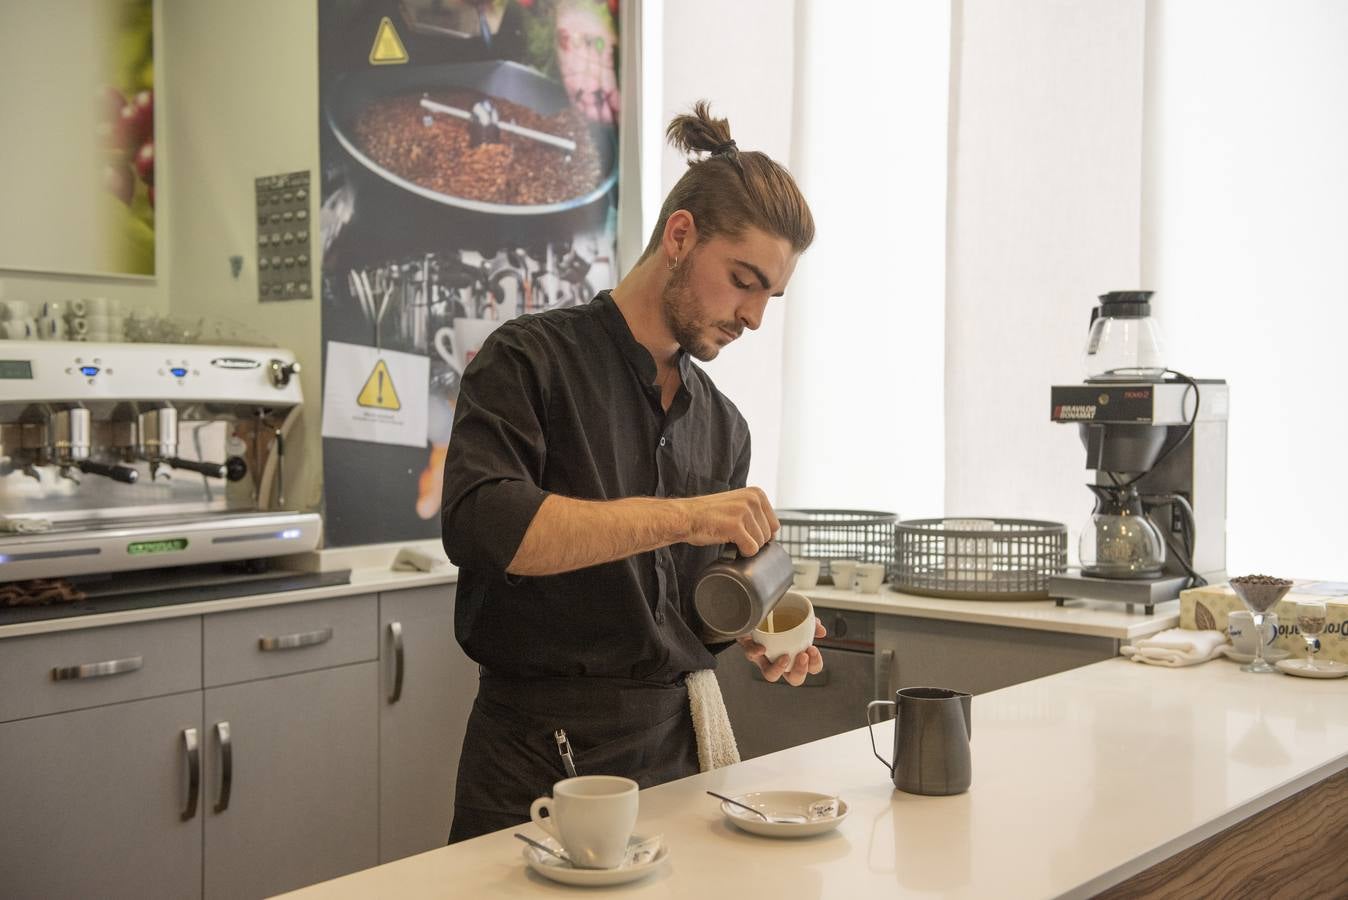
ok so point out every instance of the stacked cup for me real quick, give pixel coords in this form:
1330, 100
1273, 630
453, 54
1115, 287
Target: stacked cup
16, 321
97, 319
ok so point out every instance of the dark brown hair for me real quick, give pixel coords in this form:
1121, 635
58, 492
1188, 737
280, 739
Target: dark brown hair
731, 190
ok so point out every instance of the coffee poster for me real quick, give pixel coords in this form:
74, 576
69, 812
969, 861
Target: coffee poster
469, 173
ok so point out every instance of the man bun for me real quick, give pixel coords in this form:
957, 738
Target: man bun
698, 132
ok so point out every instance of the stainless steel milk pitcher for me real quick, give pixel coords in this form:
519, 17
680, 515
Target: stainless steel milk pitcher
932, 728
736, 592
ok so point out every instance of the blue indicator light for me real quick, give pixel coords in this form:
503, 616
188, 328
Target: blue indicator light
90, 371
290, 533
178, 372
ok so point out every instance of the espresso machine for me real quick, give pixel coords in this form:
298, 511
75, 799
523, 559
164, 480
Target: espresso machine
153, 457
1155, 440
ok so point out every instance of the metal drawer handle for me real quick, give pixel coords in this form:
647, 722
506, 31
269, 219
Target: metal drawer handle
193, 772
291, 641
395, 630
226, 765
98, 669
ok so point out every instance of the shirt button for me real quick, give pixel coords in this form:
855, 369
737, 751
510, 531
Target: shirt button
662, 442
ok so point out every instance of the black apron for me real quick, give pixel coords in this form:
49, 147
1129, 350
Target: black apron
615, 726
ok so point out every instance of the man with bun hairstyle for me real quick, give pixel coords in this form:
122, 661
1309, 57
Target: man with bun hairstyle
593, 471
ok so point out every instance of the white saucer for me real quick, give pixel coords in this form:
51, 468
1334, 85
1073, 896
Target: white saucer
1324, 668
551, 867
782, 803
1271, 654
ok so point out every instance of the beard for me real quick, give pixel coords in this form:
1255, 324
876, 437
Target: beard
686, 319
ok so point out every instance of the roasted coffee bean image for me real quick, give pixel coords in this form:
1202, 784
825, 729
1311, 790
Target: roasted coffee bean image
1260, 579
435, 151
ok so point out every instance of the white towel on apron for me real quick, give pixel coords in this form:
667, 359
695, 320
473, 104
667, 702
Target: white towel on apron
715, 738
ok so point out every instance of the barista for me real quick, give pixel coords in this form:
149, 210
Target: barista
593, 471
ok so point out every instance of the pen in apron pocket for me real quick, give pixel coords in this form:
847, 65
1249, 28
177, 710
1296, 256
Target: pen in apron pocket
564, 748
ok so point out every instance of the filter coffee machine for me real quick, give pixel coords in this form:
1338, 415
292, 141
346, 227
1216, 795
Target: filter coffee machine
1157, 448
119, 457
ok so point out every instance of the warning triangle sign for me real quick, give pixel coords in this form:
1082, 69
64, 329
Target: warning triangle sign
378, 391
388, 49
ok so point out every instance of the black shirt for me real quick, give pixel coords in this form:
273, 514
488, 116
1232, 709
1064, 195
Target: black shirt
565, 402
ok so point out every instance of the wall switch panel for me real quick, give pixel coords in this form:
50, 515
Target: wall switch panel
283, 237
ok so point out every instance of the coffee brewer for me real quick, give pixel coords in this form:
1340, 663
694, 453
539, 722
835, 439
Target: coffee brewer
1156, 441
116, 457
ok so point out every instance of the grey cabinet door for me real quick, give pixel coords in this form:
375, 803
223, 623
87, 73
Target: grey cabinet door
92, 802
973, 657
421, 732
303, 796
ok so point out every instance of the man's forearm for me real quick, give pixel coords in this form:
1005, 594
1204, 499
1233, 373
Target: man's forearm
568, 534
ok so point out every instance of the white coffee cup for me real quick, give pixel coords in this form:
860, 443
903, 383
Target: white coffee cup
51, 329
592, 816
14, 311
868, 577
842, 570
458, 345
1240, 629
788, 628
805, 573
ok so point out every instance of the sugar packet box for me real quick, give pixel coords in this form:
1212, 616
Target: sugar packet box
1209, 606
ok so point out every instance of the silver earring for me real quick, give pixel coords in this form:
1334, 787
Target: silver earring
672, 264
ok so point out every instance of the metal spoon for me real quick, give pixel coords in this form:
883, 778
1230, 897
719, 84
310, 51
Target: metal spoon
545, 848
775, 820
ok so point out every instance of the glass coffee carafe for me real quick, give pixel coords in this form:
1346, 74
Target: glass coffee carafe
1120, 541
1125, 341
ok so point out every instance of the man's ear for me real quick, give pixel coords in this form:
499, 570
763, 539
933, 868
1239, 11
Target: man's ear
680, 234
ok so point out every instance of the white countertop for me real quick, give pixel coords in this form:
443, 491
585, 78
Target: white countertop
1080, 780
1087, 617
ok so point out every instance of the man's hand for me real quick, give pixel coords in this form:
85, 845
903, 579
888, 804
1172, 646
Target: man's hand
795, 670
742, 517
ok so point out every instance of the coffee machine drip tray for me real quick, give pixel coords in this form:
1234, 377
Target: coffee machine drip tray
1144, 592
123, 591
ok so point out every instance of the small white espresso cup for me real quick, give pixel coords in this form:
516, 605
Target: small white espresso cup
805, 573
788, 628
1240, 629
841, 570
592, 816
868, 577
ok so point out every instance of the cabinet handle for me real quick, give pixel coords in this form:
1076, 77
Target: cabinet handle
226, 765
193, 772
885, 683
395, 630
98, 669
291, 641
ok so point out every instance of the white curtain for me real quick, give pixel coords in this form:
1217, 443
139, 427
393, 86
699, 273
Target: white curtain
864, 346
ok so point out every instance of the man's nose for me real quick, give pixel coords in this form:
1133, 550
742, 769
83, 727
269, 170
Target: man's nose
751, 313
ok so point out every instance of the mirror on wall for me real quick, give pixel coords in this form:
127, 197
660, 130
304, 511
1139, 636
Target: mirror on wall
77, 168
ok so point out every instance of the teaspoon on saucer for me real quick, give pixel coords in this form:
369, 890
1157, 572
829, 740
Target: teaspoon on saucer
775, 820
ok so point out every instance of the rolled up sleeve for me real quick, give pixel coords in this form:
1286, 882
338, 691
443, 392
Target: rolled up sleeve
497, 452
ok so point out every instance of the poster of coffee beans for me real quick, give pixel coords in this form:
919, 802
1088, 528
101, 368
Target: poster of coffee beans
469, 173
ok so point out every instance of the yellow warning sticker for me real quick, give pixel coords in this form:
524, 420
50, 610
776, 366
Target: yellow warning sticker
378, 391
388, 49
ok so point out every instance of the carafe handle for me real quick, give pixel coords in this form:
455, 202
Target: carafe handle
889, 766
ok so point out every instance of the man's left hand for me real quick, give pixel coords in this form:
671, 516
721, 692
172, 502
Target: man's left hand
795, 670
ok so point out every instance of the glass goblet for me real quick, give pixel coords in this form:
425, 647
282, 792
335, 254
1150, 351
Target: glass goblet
1259, 594
1311, 616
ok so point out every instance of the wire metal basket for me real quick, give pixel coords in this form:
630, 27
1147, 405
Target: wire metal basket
978, 559
828, 534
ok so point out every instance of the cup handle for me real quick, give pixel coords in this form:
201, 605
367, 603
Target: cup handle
536, 813
889, 766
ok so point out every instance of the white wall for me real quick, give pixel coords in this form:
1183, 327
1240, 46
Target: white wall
864, 345
1246, 243
739, 57
230, 122
1046, 161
